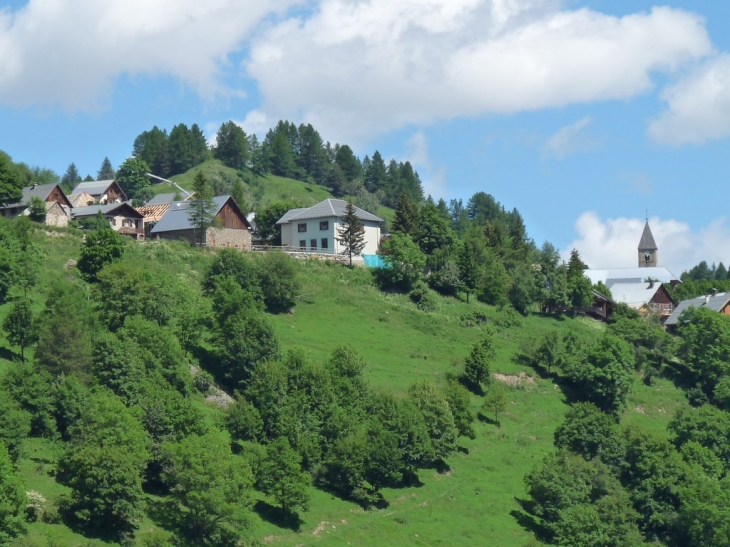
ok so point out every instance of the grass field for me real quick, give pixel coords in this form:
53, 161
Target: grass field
476, 502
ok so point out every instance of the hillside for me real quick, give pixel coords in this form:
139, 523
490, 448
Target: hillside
260, 190
475, 501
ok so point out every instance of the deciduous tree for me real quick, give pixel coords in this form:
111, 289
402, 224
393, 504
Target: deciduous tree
20, 326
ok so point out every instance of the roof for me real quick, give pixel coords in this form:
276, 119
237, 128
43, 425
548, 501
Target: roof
41, 191
176, 218
81, 200
161, 199
647, 242
153, 213
630, 275
325, 209
93, 187
634, 294
93, 210
715, 303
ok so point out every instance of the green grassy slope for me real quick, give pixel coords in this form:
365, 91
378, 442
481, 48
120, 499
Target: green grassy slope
476, 502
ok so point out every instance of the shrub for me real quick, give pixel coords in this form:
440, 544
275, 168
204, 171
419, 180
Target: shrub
423, 297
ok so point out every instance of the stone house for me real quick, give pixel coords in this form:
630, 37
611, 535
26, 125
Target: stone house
230, 227
58, 206
122, 217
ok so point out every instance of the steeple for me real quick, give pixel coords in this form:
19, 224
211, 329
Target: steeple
648, 251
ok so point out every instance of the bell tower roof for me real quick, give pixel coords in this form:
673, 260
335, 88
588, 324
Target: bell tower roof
647, 242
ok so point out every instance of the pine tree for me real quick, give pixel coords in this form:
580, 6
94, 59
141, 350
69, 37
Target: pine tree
71, 178
352, 232
106, 171
406, 216
19, 325
202, 207
468, 268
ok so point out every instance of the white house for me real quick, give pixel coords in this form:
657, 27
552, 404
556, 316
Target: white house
316, 229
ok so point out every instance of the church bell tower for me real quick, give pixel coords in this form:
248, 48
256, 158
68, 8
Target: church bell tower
648, 251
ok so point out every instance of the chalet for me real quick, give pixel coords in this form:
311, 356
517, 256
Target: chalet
230, 227
646, 297
155, 209
102, 191
316, 228
719, 302
58, 206
122, 217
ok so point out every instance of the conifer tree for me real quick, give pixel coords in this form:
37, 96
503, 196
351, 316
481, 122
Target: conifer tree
406, 216
202, 207
19, 325
106, 171
352, 233
468, 268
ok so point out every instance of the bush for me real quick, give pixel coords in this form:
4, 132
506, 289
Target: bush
508, 317
279, 281
424, 298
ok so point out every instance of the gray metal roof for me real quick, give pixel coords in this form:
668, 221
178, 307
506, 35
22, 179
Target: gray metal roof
36, 191
633, 294
715, 303
93, 210
176, 217
629, 275
93, 187
325, 209
647, 242
161, 199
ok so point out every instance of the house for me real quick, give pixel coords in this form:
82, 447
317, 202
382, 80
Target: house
103, 191
81, 200
122, 217
719, 302
230, 227
316, 228
58, 206
155, 209
645, 297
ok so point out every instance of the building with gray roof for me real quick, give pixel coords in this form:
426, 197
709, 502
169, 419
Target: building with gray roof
103, 191
58, 206
719, 302
316, 229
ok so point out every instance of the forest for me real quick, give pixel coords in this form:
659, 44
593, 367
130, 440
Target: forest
158, 378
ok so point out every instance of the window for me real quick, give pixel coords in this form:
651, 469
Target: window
324, 225
302, 227
303, 244
55, 196
313, 244
325, 243
114, 221
126, 223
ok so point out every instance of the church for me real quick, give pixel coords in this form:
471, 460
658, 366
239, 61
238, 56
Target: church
641, 288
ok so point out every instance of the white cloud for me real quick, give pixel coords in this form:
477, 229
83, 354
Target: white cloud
68, 53
433, 177
699, 106
568, 140
613, 243
354, 69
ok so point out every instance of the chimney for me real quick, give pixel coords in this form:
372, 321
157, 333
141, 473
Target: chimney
713, 292
651, 283
707, 299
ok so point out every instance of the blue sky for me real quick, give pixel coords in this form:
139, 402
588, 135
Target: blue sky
582, 114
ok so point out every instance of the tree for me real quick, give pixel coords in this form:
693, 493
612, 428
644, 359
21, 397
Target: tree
404, 260
591, 433
70, 178
103, 465
351, 233
100, 248
580, 289
37, 209
495, 401
460, 405
232, 146
14, 429
19, 325
12, 500
281, 476
438, 417
267, 218
201, 211
106, 171
280, 283
406, 216
132, 178
468, 268
11, 187
477, 363
212, 485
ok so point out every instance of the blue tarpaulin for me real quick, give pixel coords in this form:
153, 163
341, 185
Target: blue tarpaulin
374, 261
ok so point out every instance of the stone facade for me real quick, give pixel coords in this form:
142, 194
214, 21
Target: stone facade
228, 237
57, 215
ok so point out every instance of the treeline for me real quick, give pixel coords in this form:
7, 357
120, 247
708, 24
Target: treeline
614, 485
702, 280
123, 352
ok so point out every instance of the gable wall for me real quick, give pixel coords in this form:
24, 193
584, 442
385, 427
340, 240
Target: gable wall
230, 218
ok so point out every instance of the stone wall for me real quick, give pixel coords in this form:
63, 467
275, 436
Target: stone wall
228, 237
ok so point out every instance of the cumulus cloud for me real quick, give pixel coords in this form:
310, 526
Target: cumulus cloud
699, 106
69, 52
568, 140
433, 177
358, 68
612, 243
